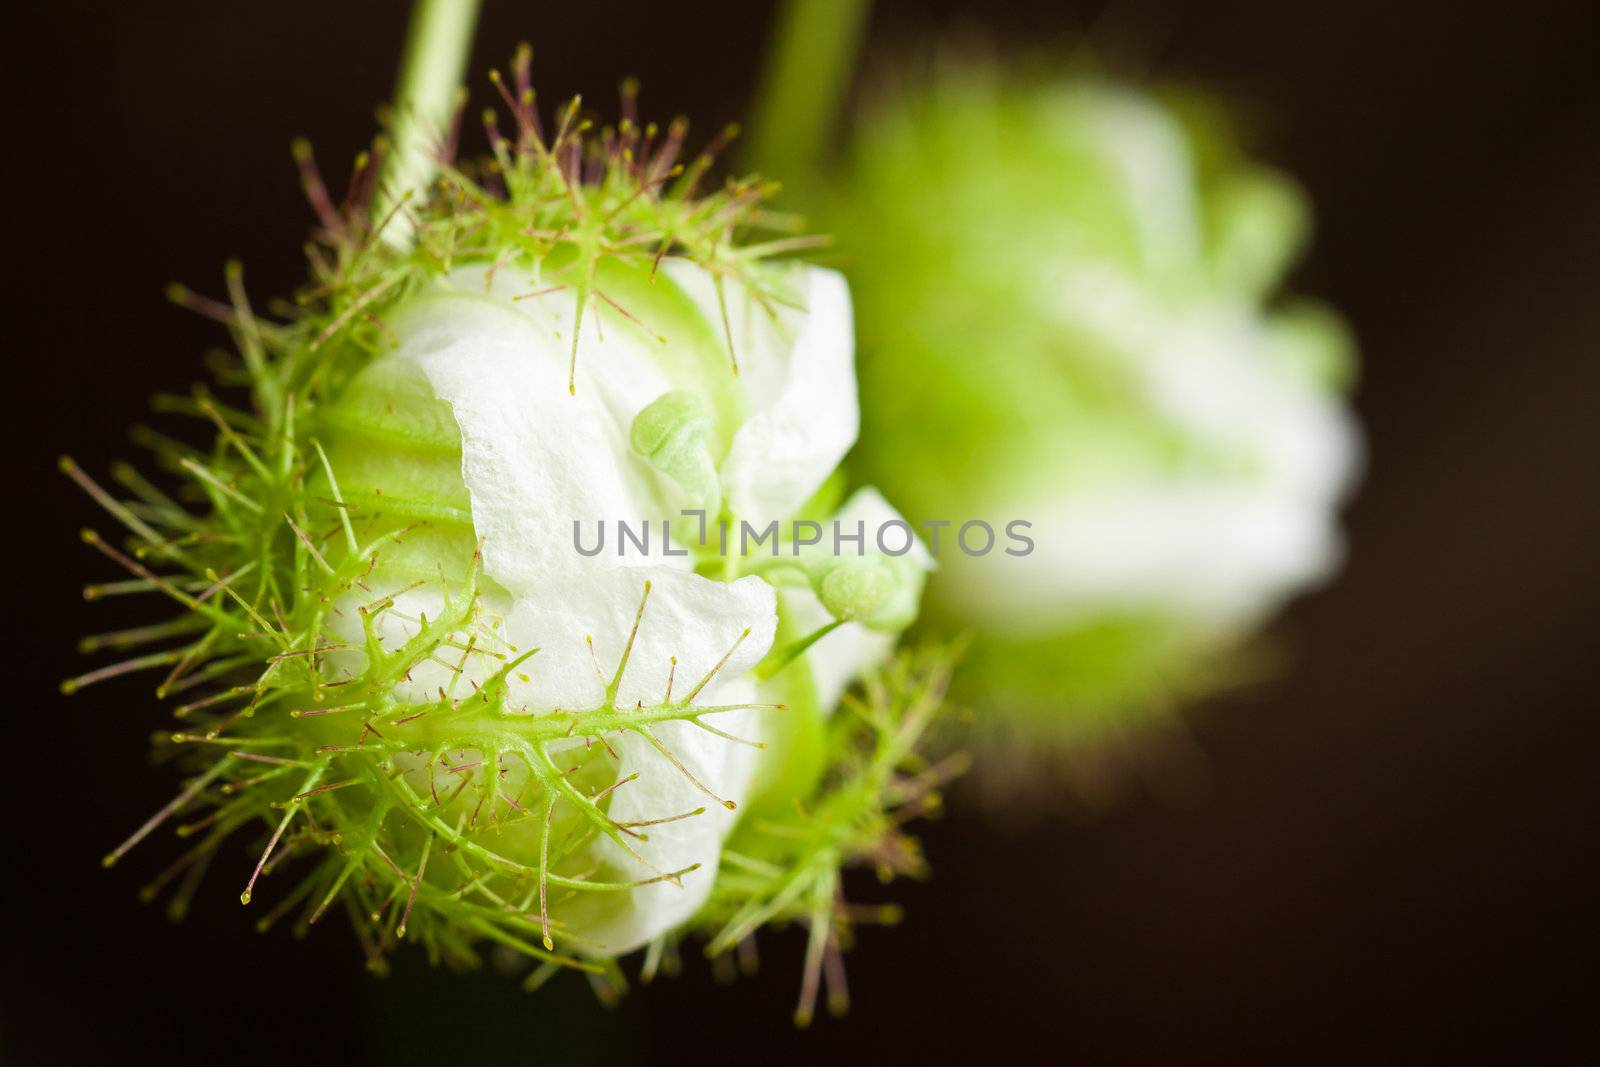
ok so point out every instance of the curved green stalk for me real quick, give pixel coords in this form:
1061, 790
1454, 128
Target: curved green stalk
808, 71
438, 41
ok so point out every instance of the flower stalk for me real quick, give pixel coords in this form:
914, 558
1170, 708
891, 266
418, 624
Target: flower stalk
806, 78
438, 42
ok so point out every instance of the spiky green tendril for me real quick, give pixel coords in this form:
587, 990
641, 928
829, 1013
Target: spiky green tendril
418, 816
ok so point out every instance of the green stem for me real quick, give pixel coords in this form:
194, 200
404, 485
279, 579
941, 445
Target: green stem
808, 71
438, 41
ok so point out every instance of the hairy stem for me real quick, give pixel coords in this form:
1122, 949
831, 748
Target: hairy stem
438, 41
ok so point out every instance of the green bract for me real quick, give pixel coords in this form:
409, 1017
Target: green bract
1066, 317
403, 665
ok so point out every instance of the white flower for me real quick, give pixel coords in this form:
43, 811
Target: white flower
1080, 341
1222, 542
538, 458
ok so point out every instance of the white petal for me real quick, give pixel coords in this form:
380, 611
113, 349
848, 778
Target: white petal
694, 619
868, 507
687, 616
1221, 548
535, 458
662, 790
798, 378
697, 621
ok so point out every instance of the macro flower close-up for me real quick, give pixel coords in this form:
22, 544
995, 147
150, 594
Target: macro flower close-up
443, 648
812, 530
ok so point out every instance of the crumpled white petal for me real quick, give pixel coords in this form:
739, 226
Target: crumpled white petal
798, 374
697, 621
727, 768
687, 618
536, 458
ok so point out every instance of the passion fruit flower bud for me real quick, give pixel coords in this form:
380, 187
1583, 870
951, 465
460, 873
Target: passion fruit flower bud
1062, 296
463, 720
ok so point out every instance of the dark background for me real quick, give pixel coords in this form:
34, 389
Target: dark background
1393, 860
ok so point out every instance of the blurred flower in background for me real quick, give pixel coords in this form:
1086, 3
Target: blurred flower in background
1068, 315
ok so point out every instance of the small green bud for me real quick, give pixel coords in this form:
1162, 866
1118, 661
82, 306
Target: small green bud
675, 432
854, 589
881, 592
